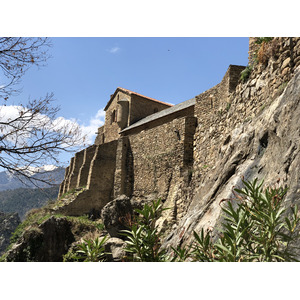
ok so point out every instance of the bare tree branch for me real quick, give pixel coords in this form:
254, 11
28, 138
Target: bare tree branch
17, 55
31, 135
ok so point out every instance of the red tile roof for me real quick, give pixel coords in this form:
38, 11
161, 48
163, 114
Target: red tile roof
133, 93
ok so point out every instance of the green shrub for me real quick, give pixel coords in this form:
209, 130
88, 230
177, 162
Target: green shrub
143, 240
245, 74
260, 228
256, 227
88, 251
261, 40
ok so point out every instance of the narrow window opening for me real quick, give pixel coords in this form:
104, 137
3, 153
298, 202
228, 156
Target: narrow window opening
112, 117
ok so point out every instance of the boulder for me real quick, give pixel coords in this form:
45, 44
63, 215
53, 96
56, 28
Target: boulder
47, 242
116, 215
115, 247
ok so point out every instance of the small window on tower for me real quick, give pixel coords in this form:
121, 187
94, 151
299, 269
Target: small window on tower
112, 117
155, 110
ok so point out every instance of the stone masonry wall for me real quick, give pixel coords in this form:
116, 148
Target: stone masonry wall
111, 127
141, 108
100, 138
157, 155
219, 117
83, 174
154, 159
76, 175
100, 181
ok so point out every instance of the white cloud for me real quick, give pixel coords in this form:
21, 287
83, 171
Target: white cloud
95, 122
114, 50
12, 112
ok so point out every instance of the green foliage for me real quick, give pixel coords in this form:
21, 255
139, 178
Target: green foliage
259, 228
228, 105
245, 74
88, 251
256, 227
143, 240
261, 40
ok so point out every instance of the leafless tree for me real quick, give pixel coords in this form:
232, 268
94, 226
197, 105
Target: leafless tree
17, 55
31, 134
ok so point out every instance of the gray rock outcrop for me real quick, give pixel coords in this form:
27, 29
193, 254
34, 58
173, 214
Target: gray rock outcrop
115, 214
267, 148
46, 243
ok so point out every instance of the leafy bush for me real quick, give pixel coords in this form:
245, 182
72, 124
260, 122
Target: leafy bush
143, 240
260, 228
88, 251
256, 227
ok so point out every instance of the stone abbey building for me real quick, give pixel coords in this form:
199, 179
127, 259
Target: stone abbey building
143, 147
151, 149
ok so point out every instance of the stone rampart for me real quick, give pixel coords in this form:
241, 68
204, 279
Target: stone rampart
76, 175
155, 156
84, 170
100, 138
100, 181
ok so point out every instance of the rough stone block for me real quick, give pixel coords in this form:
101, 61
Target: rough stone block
285, 63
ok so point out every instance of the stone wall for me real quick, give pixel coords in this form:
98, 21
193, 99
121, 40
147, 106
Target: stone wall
220, 112
84, 170
153, 157
100, 138
111, 127
76, 175
141, 108
172, 155
98, 189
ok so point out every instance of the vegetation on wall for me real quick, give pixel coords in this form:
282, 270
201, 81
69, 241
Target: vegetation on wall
246, 73
268, 47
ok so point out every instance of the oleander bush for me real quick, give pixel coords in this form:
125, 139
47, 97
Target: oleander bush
256, 227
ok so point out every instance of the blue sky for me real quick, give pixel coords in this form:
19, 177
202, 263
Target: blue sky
84, 72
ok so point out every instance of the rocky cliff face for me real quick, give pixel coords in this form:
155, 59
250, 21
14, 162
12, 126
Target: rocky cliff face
265, 145
267, 148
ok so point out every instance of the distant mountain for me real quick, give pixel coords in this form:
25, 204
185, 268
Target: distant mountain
49, 173
22, 200
20, 197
